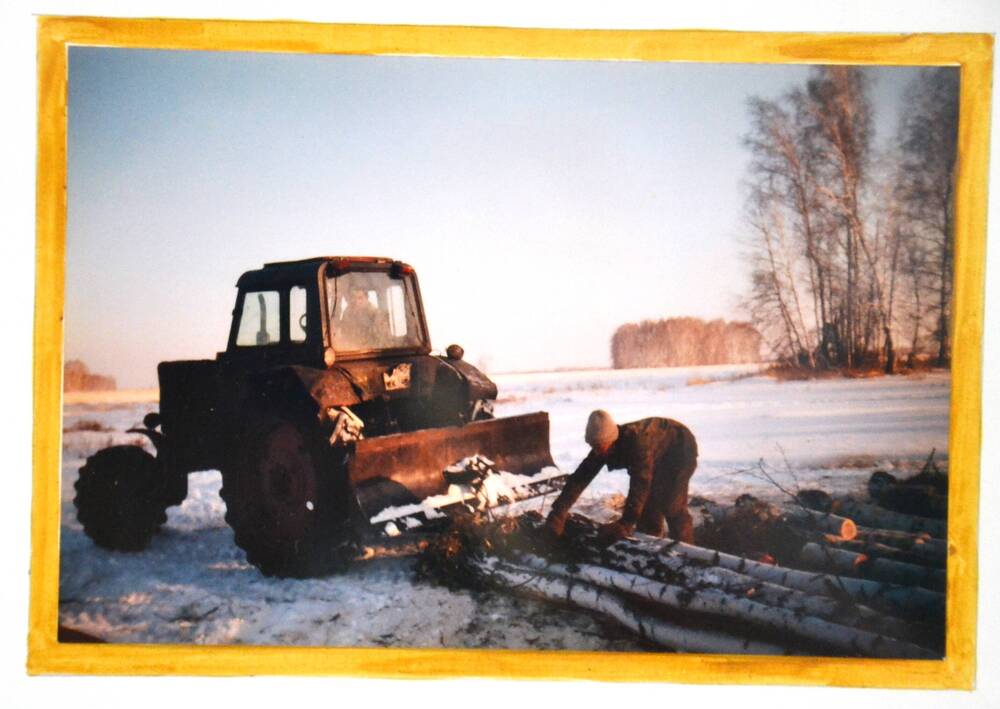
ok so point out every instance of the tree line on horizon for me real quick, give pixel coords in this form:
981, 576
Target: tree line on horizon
851, 248
679, 342
78, 377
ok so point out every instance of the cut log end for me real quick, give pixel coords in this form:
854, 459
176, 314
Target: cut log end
848, 530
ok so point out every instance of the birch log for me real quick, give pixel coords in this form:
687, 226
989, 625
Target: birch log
847, 563
795, 514
717, 603
874, 516
905, 540
917, 555
824, 522
682, 571
613, 606
917, 603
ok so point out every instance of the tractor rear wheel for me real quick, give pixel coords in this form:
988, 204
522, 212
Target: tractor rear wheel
287, 498
119, 498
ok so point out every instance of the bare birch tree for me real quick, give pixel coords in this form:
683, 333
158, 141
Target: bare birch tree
846, 245
836, 135
928, 141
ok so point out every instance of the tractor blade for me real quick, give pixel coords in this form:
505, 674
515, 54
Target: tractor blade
407, 467
433, 512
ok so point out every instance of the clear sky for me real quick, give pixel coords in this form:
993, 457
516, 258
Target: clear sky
542, 203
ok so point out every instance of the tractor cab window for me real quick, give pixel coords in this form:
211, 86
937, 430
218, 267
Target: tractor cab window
370, 310
260, 319
297, 314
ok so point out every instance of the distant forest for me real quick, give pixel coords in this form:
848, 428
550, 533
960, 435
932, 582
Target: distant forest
77, 377
679, 342
851, 246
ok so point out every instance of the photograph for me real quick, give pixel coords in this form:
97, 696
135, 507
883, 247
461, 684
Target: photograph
507, 353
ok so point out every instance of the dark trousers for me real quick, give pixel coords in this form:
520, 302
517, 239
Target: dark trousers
668, 500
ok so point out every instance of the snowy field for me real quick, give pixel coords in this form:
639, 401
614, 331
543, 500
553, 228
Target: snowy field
193, 584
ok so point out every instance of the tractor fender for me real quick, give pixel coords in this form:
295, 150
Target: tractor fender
479, 385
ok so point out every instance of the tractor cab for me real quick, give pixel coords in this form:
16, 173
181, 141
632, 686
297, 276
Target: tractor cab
319, 311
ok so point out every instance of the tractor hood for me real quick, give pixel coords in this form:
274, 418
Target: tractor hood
418, 376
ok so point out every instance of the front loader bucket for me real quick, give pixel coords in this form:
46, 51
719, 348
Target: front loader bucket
407, 467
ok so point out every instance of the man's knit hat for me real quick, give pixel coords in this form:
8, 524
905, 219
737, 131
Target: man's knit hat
601, 429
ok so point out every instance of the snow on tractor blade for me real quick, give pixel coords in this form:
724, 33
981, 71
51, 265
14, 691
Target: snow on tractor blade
405, 468
475, 485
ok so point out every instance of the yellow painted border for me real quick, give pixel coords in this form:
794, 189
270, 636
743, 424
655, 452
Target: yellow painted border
973, 53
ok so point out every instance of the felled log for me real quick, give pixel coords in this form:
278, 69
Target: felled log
874, 516
831, 561
922, 541
684, 597
824, 522
694, 575
848, 563
716, 602
683, 573
797, 515
666, 561
916, 603
759, 530
918, 555
611, 605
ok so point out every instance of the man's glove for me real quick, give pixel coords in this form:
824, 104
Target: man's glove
613, 532
555, 524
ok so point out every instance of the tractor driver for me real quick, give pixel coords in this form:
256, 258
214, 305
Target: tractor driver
660, 455
362, 324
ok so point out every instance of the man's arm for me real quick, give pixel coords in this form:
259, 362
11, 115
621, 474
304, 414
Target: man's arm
575, 485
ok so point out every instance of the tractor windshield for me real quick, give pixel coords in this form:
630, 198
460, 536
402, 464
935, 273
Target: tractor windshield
370, 310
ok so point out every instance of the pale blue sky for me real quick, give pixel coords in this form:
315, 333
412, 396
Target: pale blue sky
542, 203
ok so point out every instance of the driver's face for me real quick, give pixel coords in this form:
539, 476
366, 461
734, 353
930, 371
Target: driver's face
359, 298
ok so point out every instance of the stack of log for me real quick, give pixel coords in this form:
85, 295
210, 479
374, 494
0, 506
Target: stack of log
896, 548
762, 579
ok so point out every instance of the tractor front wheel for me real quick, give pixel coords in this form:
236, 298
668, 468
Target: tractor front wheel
287, 498
119, 498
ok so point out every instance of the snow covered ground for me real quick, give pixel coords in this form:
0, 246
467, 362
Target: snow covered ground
193, 584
